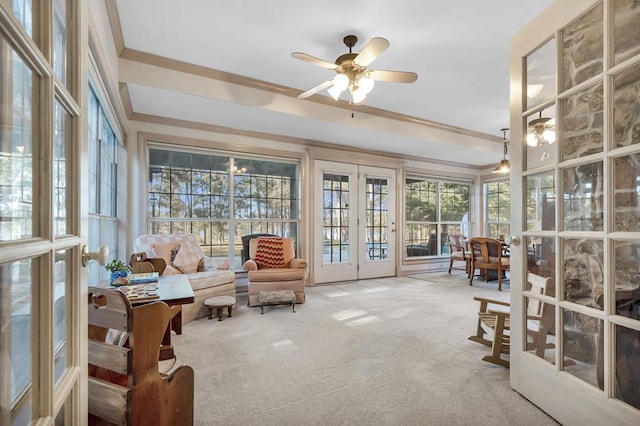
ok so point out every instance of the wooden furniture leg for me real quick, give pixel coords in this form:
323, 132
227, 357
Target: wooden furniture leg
501, 340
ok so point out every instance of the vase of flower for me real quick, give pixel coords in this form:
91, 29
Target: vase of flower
120, 273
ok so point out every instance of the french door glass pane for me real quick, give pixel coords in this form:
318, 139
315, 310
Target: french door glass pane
15, 328
377, 217
626, 104
583, 273
61, 311
541, 74
626, 21
583, 123
626, 258
541, 256
60, 39
626, 172
627, 367
541, 201
61, 161
582, 188
16, 151
542, 149
581, 336
335, 196
582, 48
541, 339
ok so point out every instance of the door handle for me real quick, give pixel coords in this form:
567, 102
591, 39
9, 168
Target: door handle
101, 255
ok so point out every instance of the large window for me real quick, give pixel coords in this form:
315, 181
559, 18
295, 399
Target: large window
220, 198
103, 221
498, 208
434, 209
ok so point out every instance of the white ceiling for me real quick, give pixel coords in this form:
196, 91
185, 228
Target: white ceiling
460, 51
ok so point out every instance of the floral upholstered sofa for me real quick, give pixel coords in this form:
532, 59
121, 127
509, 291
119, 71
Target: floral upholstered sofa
182, 253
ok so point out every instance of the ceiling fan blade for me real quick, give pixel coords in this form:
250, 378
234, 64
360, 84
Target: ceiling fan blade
315, 89
315, 61
393, 76
371, 51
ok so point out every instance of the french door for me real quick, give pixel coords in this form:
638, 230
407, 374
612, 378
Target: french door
575, 126
354, 222
42, 93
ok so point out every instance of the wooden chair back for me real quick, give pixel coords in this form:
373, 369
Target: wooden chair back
456, 243
537, 285
125, 386
140, 263
458, 252
486, 253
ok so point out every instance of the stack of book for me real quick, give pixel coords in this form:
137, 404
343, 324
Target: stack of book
144, 277
138, 292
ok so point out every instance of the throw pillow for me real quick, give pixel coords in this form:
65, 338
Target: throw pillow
269, 253
188, 257
167, 251
170, 270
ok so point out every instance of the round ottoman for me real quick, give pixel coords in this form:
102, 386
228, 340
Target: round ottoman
219, 303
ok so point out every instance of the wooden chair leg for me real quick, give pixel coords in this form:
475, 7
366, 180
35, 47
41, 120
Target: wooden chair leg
480, 333
450, 265
500, 344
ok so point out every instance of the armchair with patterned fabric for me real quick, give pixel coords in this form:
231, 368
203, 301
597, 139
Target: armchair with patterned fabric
273, 265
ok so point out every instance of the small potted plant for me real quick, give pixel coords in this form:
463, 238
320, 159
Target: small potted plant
120, 273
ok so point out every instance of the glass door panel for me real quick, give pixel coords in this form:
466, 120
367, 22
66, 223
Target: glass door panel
377, 222
586, 245
335, 222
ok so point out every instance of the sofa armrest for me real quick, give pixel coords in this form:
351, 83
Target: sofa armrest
250, 265
298, 264
211, 264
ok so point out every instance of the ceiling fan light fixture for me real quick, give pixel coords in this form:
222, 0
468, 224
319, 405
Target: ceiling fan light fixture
541, 131
341, 82
532, 139
366, 84
549, 135
335, 92
357, 94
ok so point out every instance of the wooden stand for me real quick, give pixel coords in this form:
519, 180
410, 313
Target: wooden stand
125, 386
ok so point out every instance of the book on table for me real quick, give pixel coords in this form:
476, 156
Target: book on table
138, 292
144, 277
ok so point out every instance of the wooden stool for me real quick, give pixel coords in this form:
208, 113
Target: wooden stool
219, 303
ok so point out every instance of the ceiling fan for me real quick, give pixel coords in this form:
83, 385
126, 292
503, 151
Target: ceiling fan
352, 72
541, 131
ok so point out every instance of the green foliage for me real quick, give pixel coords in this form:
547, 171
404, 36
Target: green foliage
116, 265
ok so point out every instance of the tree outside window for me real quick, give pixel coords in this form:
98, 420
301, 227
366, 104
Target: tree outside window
434, 209
498, 208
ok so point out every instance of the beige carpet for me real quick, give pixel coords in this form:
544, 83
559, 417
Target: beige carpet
387, 351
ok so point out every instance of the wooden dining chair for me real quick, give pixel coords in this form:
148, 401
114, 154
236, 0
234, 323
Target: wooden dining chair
458, 252
486, 254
